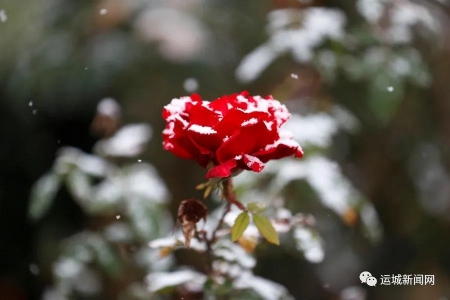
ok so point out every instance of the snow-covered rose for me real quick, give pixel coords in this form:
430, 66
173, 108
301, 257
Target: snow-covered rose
231, 133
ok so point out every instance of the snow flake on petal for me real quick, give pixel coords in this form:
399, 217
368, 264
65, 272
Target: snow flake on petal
286, 142
177, 105
253, 163
252, 121
268, 124
202, 129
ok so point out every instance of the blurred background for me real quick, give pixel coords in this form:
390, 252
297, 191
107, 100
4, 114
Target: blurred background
365, 80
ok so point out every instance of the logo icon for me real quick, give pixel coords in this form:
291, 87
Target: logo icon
367, 278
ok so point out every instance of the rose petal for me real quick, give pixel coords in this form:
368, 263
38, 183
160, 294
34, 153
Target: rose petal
196, 97
253, 163
203, 116
184, 148
279, 149
204, 138
235, 119
222, 170
247, 140
176, 141
177, 107
220, 104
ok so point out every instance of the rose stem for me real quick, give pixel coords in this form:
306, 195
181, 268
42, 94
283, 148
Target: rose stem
210, 242
230, 196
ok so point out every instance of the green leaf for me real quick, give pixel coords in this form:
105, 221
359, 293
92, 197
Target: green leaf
256, 207
42, 195
239, 226
79, 186
105, 255
266, 229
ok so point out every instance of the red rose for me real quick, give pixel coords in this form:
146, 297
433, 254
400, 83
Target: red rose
231, 133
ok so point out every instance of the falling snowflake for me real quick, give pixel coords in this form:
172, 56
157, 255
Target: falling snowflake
190, 85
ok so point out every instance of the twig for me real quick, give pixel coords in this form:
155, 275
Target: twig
225, 212
210, 242
230, 196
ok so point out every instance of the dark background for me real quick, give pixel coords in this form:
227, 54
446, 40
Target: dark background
64, 57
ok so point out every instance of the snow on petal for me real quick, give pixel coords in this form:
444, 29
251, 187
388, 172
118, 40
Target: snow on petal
202, 129
253, 163
252, 121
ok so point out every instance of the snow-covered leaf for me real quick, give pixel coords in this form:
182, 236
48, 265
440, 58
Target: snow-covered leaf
80, 186
310, 244
105, 255
266, 289
129, 141
160, 280
43, 194
143, 181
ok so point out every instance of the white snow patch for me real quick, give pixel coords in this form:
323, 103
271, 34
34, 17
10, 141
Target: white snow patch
255, 63
129, 141
252, 121
251, 160
160, 280
179, 35
170, 241
108, 107
372, 10
309, 244
316, 130
268, 290
318, 24
288, 142
177, 106
202, 129
143, 181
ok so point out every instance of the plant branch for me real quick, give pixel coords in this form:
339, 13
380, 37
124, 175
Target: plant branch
210, 242
230, 195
